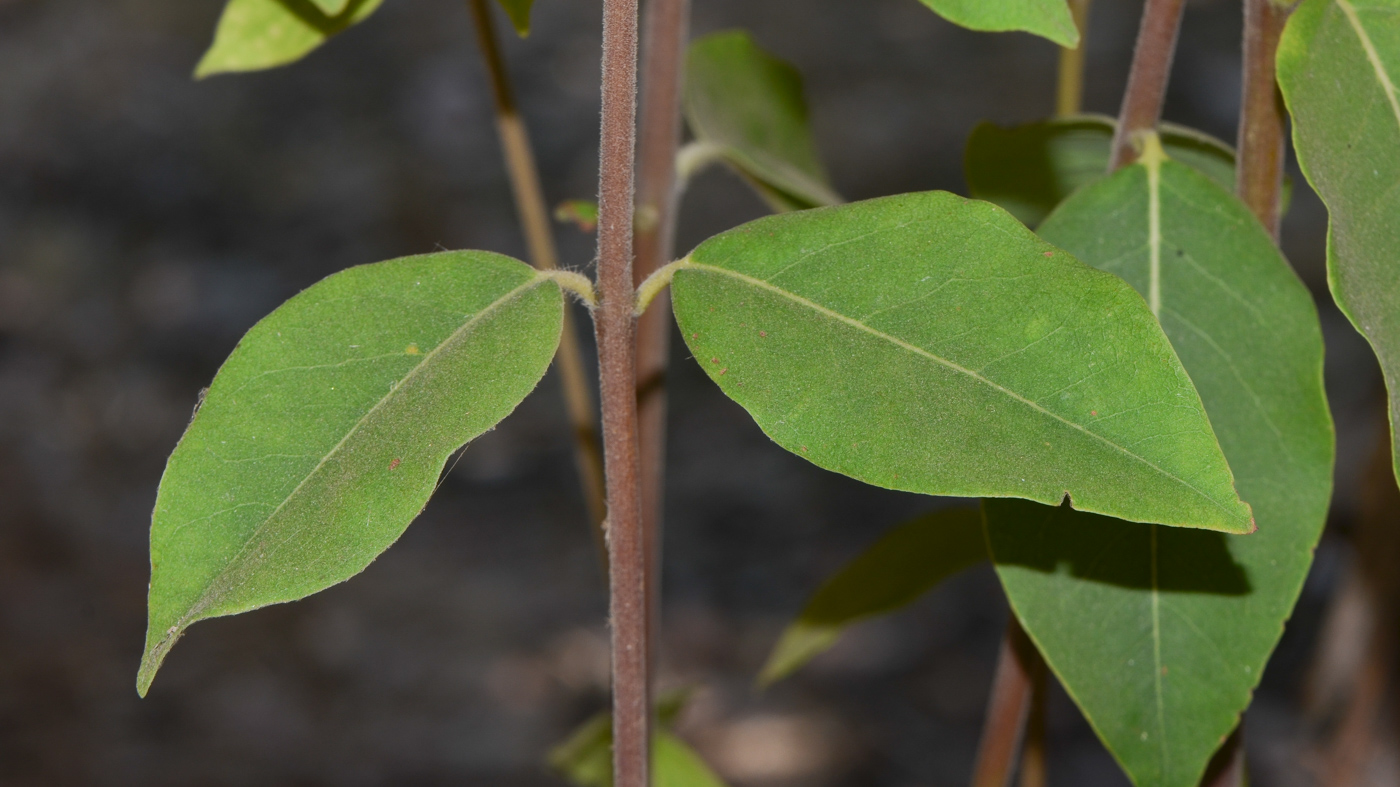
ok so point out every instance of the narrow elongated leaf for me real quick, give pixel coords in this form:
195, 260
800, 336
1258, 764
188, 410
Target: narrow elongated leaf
257, 34
325, 431
1338, 65
903, 565
1161, 634
1029, 169
1047, 18
519, 13
749, 105
933, 344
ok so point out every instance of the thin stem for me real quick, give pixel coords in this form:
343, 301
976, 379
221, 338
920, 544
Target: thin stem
539, 240
1033, 770
1147, 82
1259, 157
1069, 92
1226, 768
617, 355
1008, 707
666, 31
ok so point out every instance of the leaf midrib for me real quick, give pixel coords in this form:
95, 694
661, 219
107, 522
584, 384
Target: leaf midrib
1373, 56
826, 312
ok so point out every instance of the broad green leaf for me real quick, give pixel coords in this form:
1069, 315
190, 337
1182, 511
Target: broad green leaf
257, 34
1047, 18
1338, 65
932, 344
903, 565
325, 431
1161, 634
749, 105
585, 757
1030, 169
519, 13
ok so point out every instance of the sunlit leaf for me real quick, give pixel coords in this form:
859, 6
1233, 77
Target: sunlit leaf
749, 105
325, 431
933, 344
1338, 65
1161, 634
257, 34
519, 13
904, 564
1047, 18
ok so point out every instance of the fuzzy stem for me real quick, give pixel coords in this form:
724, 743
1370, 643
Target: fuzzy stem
1069, 92
1033, 769
617, 356
1260, 144
539, 240
1147, 82
1018, 668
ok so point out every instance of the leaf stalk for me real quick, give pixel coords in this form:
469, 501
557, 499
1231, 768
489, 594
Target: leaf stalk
1019, 669
1069, 91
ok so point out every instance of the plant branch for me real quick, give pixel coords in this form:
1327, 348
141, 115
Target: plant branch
1226, 768
617, 356
1019, 668
1147, 82
1259, 156
539, 240
1069, 92
1033, 770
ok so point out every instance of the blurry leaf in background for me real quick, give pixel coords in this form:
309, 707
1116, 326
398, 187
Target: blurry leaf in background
932, 344
519, 13
904, 564
749, 105
585, 757
257, 34
1046, 18
582, 213
1338, 66
325, 432
1162, 634
1029, 169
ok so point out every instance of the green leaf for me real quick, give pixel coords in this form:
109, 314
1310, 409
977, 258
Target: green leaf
1338, 65
1046, 18
257, 34
749, 105
1029, 169
581, 213
519, 13
933, 344
325, 431
585, 757
1161, 634
904, 564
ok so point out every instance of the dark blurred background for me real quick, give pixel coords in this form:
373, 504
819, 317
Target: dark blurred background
147, 220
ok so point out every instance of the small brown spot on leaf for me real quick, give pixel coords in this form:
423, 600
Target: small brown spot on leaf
714, 360
1093, 412
763, 334
394, 464
725, 369
1049, 253
695, 336
804, 449
412, 349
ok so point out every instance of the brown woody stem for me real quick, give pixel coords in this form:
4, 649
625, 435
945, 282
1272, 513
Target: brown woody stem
1069, 91
1019, 669
1147, 82
1259, 158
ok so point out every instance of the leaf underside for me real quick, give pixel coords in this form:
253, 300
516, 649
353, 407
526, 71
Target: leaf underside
1338, 65
904, 564
750, 105
933, 344
257, 34
1046, 18
1161, 634
326, 430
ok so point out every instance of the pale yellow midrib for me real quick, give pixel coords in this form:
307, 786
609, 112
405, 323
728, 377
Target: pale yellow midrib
1373, 56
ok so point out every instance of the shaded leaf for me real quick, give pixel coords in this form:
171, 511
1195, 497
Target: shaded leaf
1338, 65
585, 757
257, 34
1046, 18
1029, 169
933, 344
519, 13
325, 431
749, 105
1161, 634
904, 564
581, 213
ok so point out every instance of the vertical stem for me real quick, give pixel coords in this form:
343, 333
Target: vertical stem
1147, 82
534, 221
618, 382
1226, 768
1033, 770
1259, 157
664, 37
1008, 707
1069, 92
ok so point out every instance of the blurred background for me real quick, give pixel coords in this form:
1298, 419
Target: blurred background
147, 220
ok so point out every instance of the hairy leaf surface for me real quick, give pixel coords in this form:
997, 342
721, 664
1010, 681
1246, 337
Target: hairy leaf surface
325, 431
933, 344
894, 571
749, 104
1161, 634
257, 34
1338, 65
1047, 18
